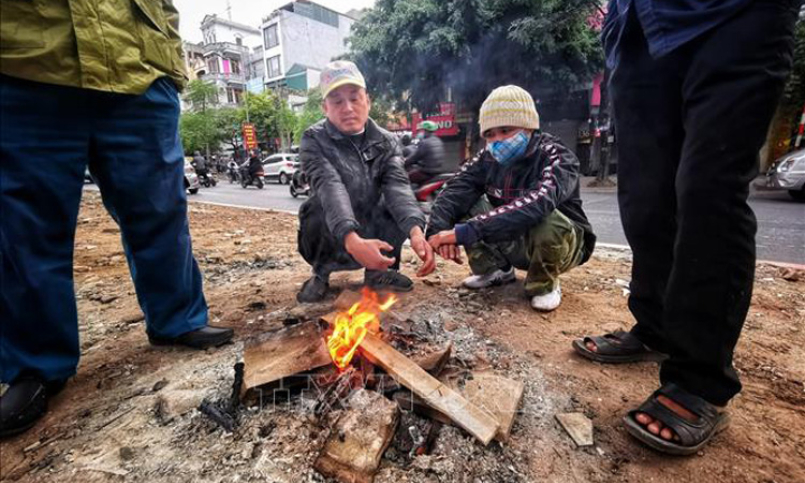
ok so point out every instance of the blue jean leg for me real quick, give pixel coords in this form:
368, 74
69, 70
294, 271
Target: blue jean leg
44, 135
137, 158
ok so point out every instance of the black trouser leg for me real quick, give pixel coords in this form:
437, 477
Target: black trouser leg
729, 81
326, 255
731, 89
648, 120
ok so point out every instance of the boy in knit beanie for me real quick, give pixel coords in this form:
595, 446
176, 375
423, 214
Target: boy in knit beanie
516, 205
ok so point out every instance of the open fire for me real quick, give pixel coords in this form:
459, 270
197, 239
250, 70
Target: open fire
351, 327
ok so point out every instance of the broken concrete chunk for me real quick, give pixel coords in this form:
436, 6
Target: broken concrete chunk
578, 426
171, 403
357, 443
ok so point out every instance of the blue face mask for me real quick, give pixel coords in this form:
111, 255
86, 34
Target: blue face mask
509, 149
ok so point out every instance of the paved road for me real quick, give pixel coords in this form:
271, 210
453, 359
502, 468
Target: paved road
781, 221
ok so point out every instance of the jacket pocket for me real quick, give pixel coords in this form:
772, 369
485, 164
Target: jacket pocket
17, 17
153, 32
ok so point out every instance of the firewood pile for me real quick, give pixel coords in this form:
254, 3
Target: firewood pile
355, 370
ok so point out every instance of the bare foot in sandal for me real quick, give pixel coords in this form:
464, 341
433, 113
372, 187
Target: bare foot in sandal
616, 347
675, 421
656, 427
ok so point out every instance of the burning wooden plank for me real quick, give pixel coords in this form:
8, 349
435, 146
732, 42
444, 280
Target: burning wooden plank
284, 353
353, 330
442, 398
353, 451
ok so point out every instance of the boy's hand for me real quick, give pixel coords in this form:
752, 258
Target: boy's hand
444, 242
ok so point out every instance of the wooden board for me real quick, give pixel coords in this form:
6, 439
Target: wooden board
360, 437
469, 417
498, 395
434, 362
284, 353
578, 426
346, 299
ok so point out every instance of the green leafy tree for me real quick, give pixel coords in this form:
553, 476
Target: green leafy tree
201, 94
310, 115
270, 114
199, 131
413, 51
786, 119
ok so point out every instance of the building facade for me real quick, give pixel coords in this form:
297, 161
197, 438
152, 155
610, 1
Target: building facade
299, 39
228, 50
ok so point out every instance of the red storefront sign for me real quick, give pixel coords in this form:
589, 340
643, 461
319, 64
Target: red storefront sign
445, 118
249, 136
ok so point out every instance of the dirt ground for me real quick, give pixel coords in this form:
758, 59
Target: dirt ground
130, 412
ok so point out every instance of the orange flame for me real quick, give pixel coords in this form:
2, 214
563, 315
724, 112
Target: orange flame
351, 326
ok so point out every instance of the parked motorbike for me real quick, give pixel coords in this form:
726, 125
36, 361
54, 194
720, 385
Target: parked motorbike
299, 184
427, 192
247, 179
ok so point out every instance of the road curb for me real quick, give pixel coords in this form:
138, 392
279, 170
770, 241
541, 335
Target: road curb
626, 248
244, 207
608, 246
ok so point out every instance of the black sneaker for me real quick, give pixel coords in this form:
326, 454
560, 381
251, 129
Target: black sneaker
313, 290
388, 280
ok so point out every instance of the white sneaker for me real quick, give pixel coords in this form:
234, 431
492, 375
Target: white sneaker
498, 277
549, 301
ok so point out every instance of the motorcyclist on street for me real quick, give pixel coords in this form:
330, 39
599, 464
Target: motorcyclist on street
254, 165
200, 165
407, 147
428, 160
232, 170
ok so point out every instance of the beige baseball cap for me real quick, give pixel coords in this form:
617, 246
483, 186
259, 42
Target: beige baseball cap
339, 73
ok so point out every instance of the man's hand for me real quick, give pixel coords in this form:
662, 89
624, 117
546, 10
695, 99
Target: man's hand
423, 250
369, 252
444, 243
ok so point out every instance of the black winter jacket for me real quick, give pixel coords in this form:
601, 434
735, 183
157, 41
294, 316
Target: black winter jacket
523, 193
349, 180
428, 157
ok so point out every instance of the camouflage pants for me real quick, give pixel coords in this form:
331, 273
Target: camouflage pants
551, 248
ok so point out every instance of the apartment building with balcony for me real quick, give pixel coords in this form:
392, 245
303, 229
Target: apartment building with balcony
227, 53
299, 39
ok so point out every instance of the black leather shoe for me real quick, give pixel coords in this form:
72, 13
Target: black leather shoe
209, 336
25, 402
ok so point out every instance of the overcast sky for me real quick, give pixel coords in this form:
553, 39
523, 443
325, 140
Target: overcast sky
249, 12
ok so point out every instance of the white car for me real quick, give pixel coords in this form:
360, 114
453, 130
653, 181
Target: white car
281, 166
788, 173
191, 182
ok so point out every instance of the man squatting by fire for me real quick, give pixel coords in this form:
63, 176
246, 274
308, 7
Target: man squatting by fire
362, 208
